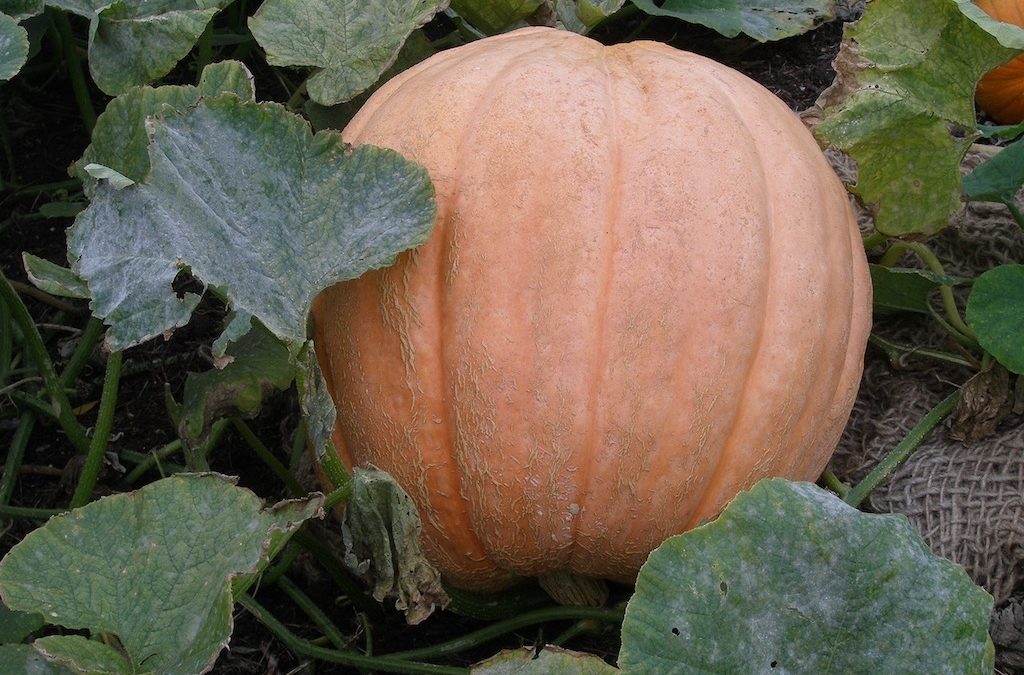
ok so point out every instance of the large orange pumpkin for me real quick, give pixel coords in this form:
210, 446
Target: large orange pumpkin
1000, 92
644, 292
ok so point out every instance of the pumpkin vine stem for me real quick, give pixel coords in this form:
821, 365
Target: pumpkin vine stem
611, 615
267, 457
902, 451
928, 257
900, 354
101, 435
356, 660
151, 460
15, 455
331, 631
76, 73
33, 344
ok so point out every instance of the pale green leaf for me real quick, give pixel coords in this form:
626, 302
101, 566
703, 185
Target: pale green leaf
13, 47
252, 203
527, 661
493, 16
259, 366
998, 179
119, 139
21, 9
24, 660
762, 20
902, 104
83, 655
995, 312
351, 41
416, 49
16, 626
382, 545
116, 179
791, 579
151, 567
54, 279
132, 42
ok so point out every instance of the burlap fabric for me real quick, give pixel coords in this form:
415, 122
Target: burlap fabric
967, 501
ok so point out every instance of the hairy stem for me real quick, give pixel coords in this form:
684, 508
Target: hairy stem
33, 343
902, 451
101, 435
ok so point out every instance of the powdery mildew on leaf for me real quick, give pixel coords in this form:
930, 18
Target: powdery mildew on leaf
762, 20
13, 47
152, 567
132, 42
252, 203
791, 579
352, 41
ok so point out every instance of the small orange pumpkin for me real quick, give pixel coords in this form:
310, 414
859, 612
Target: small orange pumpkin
644, 292
1000, 92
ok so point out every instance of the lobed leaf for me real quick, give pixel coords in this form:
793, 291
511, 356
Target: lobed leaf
493, 16
21, 9
791, 579
83, 655
994, 314
13, 47
151, 567
259, 366
902, 104
132, 42
53, 278
246, 198
120, 140
763, 20
351, 41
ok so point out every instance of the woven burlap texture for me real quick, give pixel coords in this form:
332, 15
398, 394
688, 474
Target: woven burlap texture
967, 502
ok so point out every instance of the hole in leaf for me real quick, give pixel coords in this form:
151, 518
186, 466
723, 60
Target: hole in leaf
773, 664
724, 587
675, 631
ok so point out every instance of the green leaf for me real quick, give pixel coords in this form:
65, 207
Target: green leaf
83, 655
791, 579
21, 9
998, 179
906, 290
493, 16
259, 365
13, 47
995, 312
132, 42
252, 203
417, 48
762, 20
16, 626
351, 41
54, 279
527, 661
25, 660
152, 567
902, 104
382, 545
119, 139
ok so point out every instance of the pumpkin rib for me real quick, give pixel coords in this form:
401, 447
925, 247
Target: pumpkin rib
600, 354
463, 153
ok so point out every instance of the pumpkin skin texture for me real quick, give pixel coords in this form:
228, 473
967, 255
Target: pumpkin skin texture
644, 292
1000, 92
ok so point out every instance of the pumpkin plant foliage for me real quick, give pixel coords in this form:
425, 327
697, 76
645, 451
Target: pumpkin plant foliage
152, 567
902, 104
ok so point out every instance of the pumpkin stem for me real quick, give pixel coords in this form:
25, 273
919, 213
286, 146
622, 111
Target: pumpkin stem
574, 590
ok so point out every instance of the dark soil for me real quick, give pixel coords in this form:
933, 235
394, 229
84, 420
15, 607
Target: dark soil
42, 127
